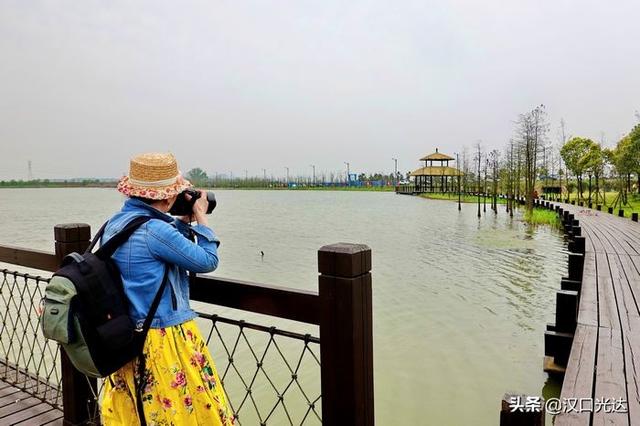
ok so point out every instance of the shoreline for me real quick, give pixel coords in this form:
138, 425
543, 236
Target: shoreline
248, 188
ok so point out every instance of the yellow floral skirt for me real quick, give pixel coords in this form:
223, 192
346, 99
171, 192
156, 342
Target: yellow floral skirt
182, 385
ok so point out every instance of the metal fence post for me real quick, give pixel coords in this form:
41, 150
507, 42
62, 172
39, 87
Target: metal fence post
346, 334
77, 395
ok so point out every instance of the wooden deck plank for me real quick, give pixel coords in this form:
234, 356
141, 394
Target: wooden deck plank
630, 321
17, 406
629, 239
627, 271
578, 379
45, 418
20, 406
26, 414
636, 262
622, 240
624, 279
31, 384
8, 390
12, 398
588, 305
610, 381
607, 303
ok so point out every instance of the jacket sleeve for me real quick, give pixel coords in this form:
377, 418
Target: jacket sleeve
167, 243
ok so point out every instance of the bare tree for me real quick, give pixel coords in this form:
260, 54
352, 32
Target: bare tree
495, 155
531, 131
479, 160
465, 169
511, 194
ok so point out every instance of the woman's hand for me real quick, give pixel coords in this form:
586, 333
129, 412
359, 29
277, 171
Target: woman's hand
199, 208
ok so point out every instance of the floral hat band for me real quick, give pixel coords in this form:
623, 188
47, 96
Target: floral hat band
154, 176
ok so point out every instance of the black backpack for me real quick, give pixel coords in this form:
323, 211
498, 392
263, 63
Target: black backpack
87, 312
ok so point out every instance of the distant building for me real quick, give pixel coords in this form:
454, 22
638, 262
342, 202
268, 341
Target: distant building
438, 178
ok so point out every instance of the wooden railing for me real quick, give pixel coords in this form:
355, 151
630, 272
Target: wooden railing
341, 307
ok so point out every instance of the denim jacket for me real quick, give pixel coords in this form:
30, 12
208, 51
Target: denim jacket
161, 241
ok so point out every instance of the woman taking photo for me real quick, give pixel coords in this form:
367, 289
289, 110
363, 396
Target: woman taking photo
179, 384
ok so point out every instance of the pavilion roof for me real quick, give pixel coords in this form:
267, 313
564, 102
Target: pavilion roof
436, 156
436, 171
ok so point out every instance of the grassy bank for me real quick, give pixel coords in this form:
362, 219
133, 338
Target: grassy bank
465, 198
542, 217
609, 197
538, 216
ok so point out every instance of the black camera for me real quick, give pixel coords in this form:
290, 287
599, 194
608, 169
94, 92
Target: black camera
184, 207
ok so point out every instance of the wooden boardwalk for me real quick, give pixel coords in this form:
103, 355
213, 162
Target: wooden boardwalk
21, 408
604, 363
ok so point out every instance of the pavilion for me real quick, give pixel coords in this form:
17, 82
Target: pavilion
439, 178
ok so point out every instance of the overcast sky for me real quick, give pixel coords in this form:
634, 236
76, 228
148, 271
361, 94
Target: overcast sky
235, 85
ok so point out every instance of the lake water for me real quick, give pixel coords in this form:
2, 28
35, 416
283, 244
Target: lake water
460, 303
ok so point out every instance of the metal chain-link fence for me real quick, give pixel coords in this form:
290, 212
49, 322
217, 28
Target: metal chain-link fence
271, 376
27, 360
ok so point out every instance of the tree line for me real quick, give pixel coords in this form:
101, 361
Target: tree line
530, 164
199, 177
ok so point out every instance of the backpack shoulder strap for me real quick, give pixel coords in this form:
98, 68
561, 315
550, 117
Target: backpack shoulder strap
96, 238
156, 301
107, 249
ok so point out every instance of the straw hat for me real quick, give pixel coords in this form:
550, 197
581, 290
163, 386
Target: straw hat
153, 175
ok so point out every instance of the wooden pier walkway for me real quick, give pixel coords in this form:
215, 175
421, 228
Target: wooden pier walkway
22, 408
604, 362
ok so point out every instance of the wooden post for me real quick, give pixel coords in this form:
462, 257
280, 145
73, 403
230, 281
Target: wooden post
621, 213
566, 311
598, 207
511, 415
558, 345
577, 245
346, 334
576, 265
577, 231
634, 216
571, 285
610, 210
77, 393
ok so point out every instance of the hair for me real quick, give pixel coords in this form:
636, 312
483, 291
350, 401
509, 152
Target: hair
148, 201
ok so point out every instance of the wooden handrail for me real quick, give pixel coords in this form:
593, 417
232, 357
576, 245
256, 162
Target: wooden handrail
281, 302
29, 258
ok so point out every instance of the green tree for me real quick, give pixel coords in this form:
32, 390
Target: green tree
594, 162
632, 153
574, 153
197, 176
